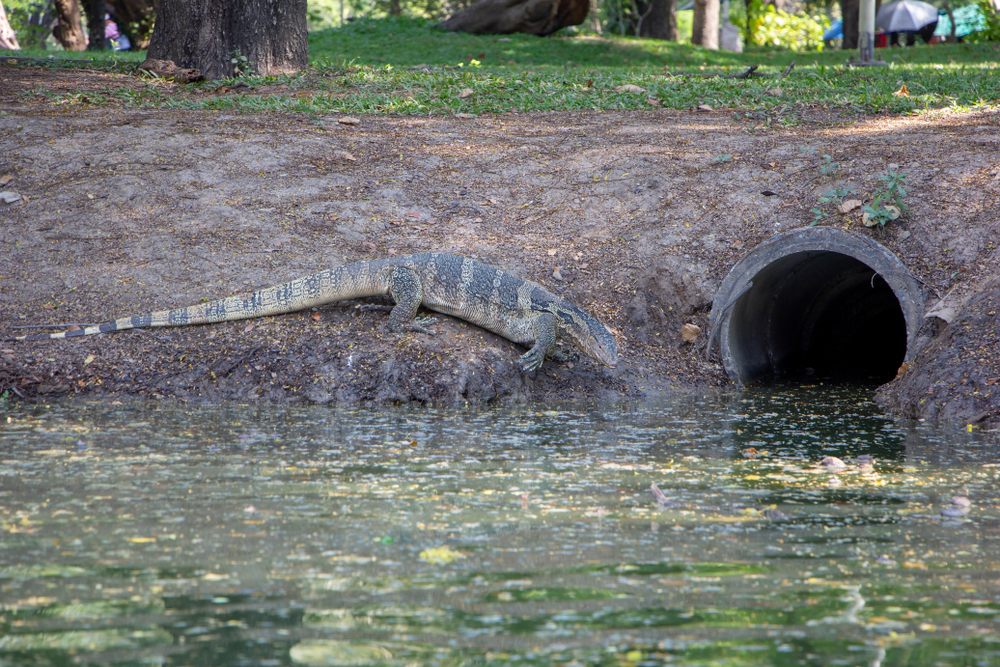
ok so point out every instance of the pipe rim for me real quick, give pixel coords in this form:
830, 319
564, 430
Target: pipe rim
908, 292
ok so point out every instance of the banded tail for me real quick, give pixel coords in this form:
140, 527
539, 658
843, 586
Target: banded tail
345, 282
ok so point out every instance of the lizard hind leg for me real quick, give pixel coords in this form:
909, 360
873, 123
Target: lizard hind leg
407, 292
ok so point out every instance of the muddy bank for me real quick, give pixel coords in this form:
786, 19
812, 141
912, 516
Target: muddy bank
636, 217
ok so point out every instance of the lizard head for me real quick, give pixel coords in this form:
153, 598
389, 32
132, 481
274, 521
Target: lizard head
592, 337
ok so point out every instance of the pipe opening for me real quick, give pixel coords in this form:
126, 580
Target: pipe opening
818, 303
818, 314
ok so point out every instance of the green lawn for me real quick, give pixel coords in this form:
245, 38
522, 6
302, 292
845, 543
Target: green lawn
405, 66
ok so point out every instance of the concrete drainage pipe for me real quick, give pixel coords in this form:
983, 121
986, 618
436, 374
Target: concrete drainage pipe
816, 302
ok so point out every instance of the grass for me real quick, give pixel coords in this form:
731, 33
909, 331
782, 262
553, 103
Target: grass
405, 66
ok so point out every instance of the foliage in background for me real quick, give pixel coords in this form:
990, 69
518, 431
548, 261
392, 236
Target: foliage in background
774, 27
30, 19
992, 31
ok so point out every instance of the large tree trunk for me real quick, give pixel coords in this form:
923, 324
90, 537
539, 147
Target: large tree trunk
850, 10
69, 32
534, 17
661, 22
8, 40
705, 31
95, 11
262, 36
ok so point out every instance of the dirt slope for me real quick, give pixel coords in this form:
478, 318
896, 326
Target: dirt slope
635, 216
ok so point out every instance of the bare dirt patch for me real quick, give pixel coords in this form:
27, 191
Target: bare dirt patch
634, 216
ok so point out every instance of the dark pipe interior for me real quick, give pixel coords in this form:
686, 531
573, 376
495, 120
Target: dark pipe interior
818, 314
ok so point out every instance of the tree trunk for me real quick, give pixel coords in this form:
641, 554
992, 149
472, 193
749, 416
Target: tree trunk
661, 22
705, 31
95, 11
69, 32
534, 17
952, 38
8, 40
850, 10
266, 37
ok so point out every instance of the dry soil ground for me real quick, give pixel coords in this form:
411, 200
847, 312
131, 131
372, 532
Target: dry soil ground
634, 216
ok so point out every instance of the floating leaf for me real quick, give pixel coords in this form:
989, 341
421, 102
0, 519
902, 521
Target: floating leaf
440, 555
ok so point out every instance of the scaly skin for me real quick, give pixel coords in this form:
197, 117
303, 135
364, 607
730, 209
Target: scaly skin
519, 310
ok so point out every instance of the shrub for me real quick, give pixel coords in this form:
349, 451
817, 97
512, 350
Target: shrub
775, 27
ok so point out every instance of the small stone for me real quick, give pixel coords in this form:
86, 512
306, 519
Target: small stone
954, 512
832, 463
961, 501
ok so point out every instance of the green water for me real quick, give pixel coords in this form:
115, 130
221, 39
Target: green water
164, 535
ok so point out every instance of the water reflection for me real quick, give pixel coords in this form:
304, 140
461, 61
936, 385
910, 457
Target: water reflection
146, 534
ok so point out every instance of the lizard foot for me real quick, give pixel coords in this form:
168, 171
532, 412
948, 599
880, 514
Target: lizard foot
419, 325
531, 360
564, 356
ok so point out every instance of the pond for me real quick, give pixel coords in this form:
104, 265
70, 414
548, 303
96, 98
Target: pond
213, 536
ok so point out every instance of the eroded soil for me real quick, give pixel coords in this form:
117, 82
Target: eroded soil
634, 216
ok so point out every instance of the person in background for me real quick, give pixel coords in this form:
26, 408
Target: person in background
115, 39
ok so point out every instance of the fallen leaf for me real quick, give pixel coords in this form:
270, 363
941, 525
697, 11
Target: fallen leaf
89, 360
346, 156
370, 246
7, 178
552, 252
465, 92
316, 317
141, 540
630, 88
704, 107
248, 328
652, 101
902, 92
849, 205
689, 332
10, 196
349, 120
769, 193
775, 92
465, 115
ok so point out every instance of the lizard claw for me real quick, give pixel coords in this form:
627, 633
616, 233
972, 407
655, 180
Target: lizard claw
531, 360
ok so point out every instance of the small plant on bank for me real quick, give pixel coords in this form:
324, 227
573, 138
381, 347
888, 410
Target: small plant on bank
827, 166
241, 66
887, 204
836, 195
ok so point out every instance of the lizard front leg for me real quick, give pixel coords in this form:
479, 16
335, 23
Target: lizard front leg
545, 342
